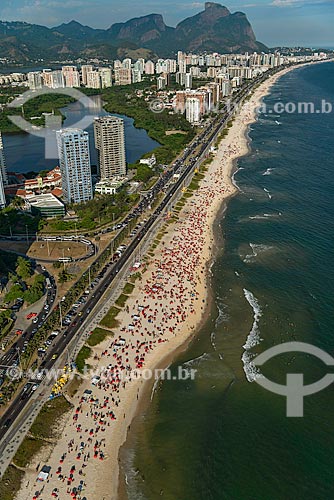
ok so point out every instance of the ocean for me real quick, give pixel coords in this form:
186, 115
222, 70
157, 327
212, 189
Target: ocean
221, 436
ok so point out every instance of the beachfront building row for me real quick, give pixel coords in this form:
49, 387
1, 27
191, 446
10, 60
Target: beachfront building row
70, 76
126, 72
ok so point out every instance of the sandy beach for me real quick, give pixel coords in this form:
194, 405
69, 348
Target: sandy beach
162, 314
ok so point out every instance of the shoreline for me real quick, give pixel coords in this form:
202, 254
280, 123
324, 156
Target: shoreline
216, 188
147, 394
149, 389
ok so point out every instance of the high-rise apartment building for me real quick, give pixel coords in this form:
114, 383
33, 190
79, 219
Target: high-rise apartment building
106, 77
188, 83
110, 145
85, 69
161, 83
136, 76
123, 76
3, 175
35, 80
193, 113
117, 64
74, 163
140, 65
3, 163
149, 68
94, 80
57, 80
127, 63
71, 76
180, 78
2, 193
46, 77
171, 65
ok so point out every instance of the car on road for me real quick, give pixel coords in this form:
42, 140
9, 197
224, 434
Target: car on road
31, 315
7, 423
19, 332
55, 355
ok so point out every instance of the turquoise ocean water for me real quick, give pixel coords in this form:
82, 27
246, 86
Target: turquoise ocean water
221, 436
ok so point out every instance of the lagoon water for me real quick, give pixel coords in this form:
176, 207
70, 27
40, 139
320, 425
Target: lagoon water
222, 436
25, 152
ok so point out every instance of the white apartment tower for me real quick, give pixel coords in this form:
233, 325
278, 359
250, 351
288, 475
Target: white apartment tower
110, 145
188, 81
106, 77
136, 76
3, 163
74, 163
193, 110
57, 80
2, 193
35, 80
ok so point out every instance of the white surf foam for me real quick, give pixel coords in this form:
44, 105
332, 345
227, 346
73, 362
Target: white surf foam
196, 361
257, 249
257, 217
268, 193
222, 314
253, 338
212, 338
268, 171
233, 177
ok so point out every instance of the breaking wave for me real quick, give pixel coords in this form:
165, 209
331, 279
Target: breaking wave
253, 339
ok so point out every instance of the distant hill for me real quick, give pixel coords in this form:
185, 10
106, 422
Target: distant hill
214, 29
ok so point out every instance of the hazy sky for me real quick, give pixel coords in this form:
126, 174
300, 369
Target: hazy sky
275, 22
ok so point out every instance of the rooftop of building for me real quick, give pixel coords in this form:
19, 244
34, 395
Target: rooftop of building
111, 182
44, 200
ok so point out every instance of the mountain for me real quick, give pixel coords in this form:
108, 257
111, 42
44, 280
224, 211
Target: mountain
75, 30
214, 29
141, 30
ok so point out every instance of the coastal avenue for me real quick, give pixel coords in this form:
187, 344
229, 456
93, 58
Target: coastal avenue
204, 140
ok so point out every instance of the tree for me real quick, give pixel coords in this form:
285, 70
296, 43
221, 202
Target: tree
4, 317
64, 276
17, 202
14, 293
23, 268
35, 291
